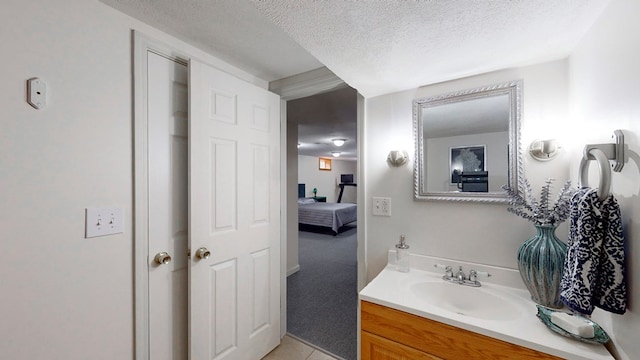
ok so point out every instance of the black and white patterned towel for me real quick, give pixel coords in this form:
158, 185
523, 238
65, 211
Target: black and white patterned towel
594, 266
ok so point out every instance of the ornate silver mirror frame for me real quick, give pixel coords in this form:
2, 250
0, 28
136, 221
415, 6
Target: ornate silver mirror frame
444, 105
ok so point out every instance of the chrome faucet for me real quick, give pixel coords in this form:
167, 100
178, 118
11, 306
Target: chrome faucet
460, 278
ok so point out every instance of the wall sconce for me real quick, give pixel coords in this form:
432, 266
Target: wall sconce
335, 153
544, 150
338, 142
397, 157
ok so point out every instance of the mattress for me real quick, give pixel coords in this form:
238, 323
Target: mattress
332, 215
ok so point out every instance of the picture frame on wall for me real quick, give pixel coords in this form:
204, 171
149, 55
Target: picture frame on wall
324, 164
466, 158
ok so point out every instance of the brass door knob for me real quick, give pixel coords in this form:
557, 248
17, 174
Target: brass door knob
162, 258
203, 253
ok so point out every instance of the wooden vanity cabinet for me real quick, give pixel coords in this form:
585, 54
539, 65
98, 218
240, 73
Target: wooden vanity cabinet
389, 334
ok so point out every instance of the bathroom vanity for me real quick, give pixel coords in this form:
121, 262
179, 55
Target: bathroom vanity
417, 315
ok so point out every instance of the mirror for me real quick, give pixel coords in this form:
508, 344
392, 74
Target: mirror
468, 144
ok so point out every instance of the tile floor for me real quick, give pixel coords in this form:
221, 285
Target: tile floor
292, 349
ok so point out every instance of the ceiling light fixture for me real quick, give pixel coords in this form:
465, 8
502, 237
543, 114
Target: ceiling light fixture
335, 153
338, 142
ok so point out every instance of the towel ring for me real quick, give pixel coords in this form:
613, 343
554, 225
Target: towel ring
605, 172
602, 153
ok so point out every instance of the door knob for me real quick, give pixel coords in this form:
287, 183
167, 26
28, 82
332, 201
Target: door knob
203, 253
162, 258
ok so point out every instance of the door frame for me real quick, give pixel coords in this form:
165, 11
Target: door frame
141, 45
311, 83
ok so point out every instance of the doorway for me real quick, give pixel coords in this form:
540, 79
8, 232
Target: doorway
322, 284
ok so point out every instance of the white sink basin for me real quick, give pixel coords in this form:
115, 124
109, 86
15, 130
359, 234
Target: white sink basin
479, 302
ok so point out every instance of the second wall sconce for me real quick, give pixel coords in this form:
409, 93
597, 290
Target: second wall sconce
544, 150
397, 157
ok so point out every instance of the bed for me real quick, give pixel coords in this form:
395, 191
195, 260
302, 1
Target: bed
328, 215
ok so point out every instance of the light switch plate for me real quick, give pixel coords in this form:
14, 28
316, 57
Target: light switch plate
104, 221
381, 206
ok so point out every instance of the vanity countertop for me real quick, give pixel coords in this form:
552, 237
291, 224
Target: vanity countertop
391, 288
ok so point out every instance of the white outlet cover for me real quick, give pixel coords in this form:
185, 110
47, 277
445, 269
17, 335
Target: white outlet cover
103, 221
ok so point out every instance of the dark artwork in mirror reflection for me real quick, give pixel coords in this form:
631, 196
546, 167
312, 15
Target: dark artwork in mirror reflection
467, 168
481, 126
465, 159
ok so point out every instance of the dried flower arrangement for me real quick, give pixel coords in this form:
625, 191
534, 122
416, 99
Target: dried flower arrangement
541, 213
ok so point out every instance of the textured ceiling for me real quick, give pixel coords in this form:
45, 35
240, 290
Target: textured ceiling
231, 30
379, 47
375, 46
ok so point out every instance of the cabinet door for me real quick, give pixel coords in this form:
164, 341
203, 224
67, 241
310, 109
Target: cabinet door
433, 337
378, 348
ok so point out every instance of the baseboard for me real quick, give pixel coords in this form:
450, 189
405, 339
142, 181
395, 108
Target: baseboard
293, 270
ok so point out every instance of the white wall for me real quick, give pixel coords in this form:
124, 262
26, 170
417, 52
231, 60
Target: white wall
327, 181
474, 232
64, 296
604, 74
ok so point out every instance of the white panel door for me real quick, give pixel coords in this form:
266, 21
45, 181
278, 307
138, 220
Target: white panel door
234, 212
167, 135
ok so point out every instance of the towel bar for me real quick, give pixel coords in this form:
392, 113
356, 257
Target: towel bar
602, 153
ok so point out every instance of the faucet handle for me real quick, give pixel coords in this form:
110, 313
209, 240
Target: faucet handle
473, 274
447, 269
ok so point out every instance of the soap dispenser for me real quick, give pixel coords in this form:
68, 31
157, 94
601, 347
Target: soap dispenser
402, 255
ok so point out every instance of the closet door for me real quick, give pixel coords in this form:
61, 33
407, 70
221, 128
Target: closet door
167, 198
234, 217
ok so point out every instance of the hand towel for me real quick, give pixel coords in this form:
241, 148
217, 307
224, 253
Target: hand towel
594, 267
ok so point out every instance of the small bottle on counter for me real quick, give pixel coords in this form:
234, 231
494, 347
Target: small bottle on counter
402, 255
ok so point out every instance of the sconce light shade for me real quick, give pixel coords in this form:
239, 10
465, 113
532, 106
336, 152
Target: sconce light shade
544, 150
335, 153
397, 157
338, 142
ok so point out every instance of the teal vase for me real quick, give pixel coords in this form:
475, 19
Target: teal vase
541, 263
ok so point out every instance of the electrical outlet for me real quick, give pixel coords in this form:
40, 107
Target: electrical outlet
381, 206
104, 221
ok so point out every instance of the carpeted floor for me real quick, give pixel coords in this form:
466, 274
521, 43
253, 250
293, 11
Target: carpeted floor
322, 299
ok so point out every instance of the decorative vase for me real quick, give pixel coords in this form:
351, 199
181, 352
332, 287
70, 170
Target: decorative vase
541, 263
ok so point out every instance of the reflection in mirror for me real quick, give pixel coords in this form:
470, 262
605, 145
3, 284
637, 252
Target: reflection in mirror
468, 144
